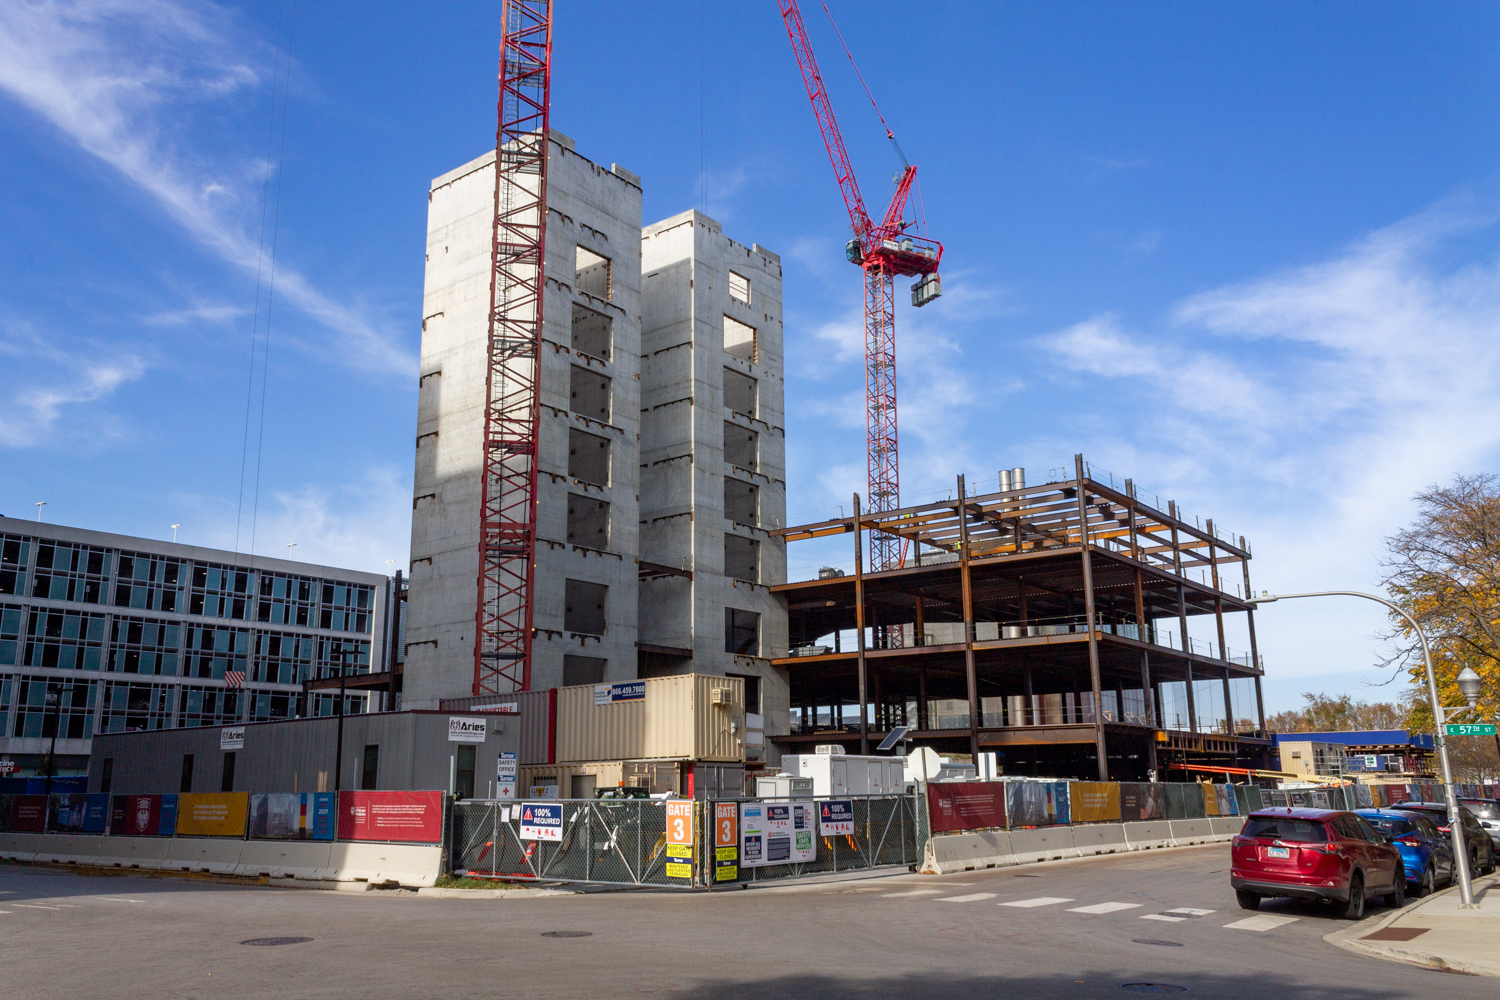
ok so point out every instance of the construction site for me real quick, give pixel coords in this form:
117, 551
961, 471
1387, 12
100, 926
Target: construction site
601, 495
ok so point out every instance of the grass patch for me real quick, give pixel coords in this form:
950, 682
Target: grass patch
452, 882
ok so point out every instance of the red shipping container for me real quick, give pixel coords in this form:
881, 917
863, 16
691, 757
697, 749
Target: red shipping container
402, 816
965, 805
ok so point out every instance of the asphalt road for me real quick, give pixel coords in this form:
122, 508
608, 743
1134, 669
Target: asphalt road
1087, 928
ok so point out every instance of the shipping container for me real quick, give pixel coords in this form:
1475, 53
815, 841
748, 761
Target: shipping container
536, 711
691, 716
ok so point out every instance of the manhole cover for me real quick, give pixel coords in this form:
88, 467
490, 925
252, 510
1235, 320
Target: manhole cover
1164, 944
567, 934
1153, 988
272, 942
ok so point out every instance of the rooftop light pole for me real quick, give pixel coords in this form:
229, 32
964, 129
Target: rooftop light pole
1468, 683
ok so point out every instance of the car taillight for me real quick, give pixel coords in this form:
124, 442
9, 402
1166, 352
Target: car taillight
1409, 841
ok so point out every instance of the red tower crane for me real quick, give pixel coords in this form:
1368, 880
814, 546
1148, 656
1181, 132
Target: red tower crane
512, 411
883, 251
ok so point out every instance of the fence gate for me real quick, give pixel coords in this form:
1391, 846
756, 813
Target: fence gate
637, 842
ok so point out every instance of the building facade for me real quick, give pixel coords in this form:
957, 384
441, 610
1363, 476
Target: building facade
713, 459
105, 633
662, 452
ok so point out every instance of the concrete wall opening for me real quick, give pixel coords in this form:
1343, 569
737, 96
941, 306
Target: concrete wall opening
741, 392
742, 558
741, 501
741, 632
588, 457
593, 332
739, 340
583, 608
739, 287
226, 779
186, 785
752, 692
588, 522
591, 273
463, 771
369, 771
583, 670
589, 393
741, 447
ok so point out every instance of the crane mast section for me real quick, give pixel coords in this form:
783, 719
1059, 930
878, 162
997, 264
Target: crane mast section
512, 413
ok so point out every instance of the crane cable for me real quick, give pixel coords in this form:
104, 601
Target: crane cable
888, 133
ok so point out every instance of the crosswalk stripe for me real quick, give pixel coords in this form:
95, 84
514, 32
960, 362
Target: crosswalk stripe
1163, 917
1104, 908
1264, 922
1038, 901
972, 897
913, 892
1189, 911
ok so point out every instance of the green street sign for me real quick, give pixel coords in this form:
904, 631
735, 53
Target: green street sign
1470, 729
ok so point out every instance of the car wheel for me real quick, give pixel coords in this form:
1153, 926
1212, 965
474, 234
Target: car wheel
1429, 881
1354, 909
1248, 900
1396, 898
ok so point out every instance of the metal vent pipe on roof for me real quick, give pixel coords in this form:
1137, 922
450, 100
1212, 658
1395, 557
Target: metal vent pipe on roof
1005, 480
1018, 478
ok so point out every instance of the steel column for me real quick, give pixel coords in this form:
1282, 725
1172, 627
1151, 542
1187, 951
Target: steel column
968, 598
859, 627
1088, 611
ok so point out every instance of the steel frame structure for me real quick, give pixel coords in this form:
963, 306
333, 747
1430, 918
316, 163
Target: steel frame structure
512, 413
883, 251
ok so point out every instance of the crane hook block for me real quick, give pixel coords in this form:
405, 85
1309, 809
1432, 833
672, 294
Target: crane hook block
926, 289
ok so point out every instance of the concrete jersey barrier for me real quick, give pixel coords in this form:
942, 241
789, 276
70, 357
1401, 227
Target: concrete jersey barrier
341, 861
960, 852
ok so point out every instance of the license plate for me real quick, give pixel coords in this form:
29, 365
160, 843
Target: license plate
1278, 852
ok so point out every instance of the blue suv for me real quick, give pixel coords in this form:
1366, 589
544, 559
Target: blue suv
1426, 853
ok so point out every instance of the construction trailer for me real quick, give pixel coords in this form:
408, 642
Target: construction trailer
1076, 628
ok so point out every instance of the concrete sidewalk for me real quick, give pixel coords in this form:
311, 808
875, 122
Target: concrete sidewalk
1434, 932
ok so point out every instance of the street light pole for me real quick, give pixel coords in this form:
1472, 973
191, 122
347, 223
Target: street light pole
1455, 818
337, 656
54, 698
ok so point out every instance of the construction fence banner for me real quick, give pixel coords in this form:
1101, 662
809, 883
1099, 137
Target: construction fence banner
77, 812
1036, 803
23, 813
1094, 801
965, 805
1141, 801
212, 814
292, 815
412, 817
1184, 800
143, 815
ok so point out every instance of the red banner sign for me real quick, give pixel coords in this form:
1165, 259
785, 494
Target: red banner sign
408, 816
965, 805
28, 813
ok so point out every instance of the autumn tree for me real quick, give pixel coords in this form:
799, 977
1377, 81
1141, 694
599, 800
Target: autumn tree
1326, 714
1444, 570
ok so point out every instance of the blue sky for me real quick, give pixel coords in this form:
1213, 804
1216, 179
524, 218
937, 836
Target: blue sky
1244, 253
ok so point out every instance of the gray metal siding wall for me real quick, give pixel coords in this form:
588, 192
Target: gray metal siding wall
152, 761
536, 726
415, 754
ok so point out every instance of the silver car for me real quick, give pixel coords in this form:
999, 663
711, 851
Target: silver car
1487, 811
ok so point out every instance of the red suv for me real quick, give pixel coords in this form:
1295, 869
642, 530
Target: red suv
1323, 854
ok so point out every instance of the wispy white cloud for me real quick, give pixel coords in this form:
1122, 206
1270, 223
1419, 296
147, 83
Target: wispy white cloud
116, 77
54, 375
1309, 406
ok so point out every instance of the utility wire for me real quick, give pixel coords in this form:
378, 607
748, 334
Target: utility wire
265, 191
888, 133
265, 378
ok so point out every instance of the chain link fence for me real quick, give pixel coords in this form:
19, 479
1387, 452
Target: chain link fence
620, 841
624, 842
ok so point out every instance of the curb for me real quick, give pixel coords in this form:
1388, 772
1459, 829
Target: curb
433, 892
1351, 939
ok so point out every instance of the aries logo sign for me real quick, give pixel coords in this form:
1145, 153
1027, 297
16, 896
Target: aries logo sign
467, 729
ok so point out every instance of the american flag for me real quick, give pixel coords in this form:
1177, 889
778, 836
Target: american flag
234, 678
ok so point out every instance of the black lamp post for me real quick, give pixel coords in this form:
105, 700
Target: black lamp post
336, 657
54, 702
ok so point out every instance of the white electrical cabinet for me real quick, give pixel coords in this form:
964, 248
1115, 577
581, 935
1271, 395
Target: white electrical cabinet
848, 774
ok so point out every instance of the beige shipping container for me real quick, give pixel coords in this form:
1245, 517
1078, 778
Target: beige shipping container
580, 781
694, 716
